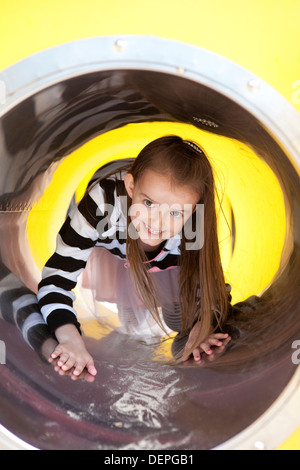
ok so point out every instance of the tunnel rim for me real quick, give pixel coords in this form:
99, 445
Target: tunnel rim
127, 52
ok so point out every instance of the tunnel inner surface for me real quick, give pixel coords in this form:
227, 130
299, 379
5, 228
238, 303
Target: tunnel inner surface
40, 127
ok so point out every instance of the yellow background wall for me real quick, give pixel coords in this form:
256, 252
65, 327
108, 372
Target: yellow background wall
260, 35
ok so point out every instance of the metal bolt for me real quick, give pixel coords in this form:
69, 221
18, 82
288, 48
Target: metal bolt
120, 45
259, 445
180, 70
253, 84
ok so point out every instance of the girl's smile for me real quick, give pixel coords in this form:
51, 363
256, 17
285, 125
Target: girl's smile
153, 232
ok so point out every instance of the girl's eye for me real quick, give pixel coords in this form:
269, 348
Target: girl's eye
176, 214
148, 203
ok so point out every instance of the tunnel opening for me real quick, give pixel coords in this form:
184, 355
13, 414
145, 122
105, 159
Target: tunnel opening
39, 133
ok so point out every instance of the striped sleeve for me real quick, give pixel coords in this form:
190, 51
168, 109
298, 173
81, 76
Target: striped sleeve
74, 244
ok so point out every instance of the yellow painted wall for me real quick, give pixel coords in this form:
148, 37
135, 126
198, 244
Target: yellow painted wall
260, 35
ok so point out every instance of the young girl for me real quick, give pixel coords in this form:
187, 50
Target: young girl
145, 220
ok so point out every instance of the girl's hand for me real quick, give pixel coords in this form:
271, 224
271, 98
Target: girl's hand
208, 350
211, 347
70, 355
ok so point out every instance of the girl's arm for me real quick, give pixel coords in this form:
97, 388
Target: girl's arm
75, 243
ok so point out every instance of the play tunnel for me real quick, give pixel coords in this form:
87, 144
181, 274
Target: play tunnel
78, 103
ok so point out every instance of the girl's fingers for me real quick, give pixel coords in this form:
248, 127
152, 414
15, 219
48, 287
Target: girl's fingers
214, 342
197, 355
220, 335
205, 346
68, 364
62, 359
218, 340
56, 353
91, 369
78, 368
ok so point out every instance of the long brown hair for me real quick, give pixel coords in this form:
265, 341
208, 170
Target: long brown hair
202, 290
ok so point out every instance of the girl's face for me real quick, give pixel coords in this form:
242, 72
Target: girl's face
159, 208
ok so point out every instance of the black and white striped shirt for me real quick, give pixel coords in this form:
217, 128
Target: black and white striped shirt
85, 227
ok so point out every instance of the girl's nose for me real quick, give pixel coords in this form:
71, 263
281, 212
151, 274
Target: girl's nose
159, 220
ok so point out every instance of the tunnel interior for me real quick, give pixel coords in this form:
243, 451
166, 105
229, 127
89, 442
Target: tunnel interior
136, 402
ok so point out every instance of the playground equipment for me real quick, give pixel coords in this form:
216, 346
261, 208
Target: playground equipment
67, 109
